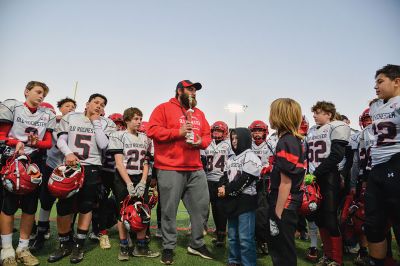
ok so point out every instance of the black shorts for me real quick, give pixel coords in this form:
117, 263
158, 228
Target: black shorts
46, 199
85, 199
120, 191
28, 203
382, 198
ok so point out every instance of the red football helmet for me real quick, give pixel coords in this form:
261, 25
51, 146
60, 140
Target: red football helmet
143, 127
304, 126
66, 181
258, 124
219, 130
311, 198
365, 119
135, 215
20, 176
49, 106
118, 119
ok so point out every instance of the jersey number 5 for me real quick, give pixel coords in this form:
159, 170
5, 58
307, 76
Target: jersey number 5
82, 142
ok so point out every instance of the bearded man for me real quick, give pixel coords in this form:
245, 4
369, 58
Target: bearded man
179, 131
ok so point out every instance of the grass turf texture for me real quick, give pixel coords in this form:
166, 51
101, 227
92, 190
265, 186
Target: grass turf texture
96, 256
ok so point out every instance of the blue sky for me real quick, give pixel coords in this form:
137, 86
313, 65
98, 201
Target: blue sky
247, 52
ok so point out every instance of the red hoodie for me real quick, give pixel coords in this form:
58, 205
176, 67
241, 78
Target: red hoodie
171, 152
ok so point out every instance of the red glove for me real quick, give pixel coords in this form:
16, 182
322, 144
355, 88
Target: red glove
266, 170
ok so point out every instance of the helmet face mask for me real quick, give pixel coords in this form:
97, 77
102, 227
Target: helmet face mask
219, 131
20, 176
259, 131
365, 119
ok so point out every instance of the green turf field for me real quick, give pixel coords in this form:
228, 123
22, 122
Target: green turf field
96, 256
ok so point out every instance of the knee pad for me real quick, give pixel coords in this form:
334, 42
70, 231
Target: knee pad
374, 234
64, 207
85, 206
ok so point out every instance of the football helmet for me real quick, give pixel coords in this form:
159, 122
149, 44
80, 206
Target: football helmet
66, 181
20, 176
219, 130
304, 126
364, 119
135, 215
311, 198
48, 106
258, 124
118, 119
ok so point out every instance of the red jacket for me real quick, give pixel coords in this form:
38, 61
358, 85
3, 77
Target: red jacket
171, 152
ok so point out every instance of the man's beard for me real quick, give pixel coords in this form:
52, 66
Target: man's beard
184, 99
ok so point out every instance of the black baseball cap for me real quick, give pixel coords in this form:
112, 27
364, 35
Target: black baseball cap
187, 83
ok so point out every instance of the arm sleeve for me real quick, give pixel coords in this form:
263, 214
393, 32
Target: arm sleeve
223, 180
46, 142
157, 129
62, 144
100, 135
355, 169
236, 186
5, 128
115, 145
336, 156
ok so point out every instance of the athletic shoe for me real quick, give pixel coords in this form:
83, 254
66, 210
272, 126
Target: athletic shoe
104, 242
8, 257
94, 237
262, 248
123, 253
201, 251
64, 250
323, 261
167, 257
312, 254
25, 257
144, 252
76, 254
37, 243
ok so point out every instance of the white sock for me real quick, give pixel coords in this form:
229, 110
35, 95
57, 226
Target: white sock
23, 244
313, 232
6, 241
44, 215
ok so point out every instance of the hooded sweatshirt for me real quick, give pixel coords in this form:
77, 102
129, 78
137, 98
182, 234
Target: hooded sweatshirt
241, 172
171, 152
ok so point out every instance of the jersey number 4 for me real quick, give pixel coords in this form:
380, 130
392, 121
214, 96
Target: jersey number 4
219, 164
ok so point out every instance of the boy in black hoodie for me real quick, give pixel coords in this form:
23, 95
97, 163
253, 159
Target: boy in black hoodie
238, 188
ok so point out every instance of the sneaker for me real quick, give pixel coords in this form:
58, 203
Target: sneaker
158, 233
334, 263
167, 257
47, 234
123, 253
37, 243
76, 254
361, 260
8, 257
304, 236
94, 237
201, 251
144, 252
312, 254
64, 250
323, 261
352, 249
25, 257
262, 248
10, 261
105, 242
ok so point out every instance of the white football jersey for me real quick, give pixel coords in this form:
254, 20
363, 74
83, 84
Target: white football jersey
135, 148
263, 151
81, 136
386, 128
217, 155
54, 156
25, 123
246, 162
319, 141
367, 139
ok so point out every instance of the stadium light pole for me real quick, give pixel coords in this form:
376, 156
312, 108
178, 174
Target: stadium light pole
236, 108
